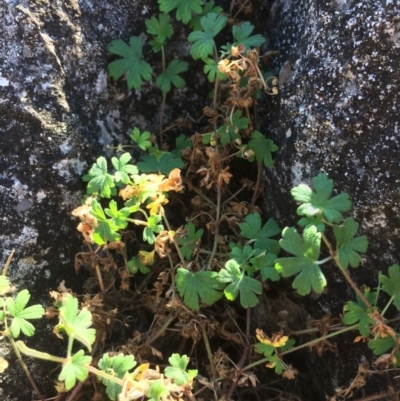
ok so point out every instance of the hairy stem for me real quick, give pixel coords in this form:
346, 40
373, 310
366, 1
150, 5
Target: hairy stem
307, 344
218, 211
22, 363
208, 349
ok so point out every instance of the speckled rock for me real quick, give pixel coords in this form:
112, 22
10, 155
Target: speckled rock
58, 113
338, 112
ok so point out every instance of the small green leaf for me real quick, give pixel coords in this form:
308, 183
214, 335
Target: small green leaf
203, 42
264, 349
262, 148
123, 168
162, 165
153, 226
116, 366
171, 76
242, 35
161, 28
21, 315
391, 284
184, 8
74, 369
307, 251
381, 345
265, 263
347, 247
157, 391
212, 71
183, 142
76, 323
134, 265
313, 221
118, 216
106, 229
202, 284
230, 130
239, 283
358, 312
99, 179
141, 139
251, 229
190, 241
208, 7
177, 370
276, 363
131, 62
317, 202
241, 255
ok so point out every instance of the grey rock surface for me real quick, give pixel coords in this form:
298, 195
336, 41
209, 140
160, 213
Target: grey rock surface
338, 113
58, 113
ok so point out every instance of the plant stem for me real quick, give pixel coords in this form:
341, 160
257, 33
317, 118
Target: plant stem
160, 129
387, 305
257, 187
5, 270
307, 344
22, 363
175, 243
208, 349
214, 249
162, 329
345, 273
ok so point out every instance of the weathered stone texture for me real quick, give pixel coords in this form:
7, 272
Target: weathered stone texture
338, 109
338, 112
57, 115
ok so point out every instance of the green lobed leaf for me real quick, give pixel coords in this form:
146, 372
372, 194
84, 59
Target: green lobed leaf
239, 283
153, 227
208, 7
252, 230
99, 179
230, 130
161, 28
262, 148
358, 312
134, 265
203, 285
212, 71
21, 315
203, 41
242, 35
391, 283
381, 345
131, 62
157, 391
276, 363
241, 255
184, 8
347, 247
75, 368
142, 140
319, 201
177, 370
190, 241
171, 76
266, 264
117, 366
118, 216
76, 323
123, 168
304, 264
106, 229
162, 165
